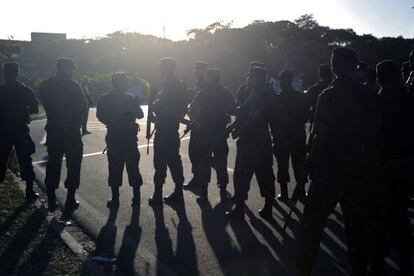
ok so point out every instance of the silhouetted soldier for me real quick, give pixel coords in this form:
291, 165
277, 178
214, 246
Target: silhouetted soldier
344, 123
200, 69
169, 110
242, 92
371, 80
393, 168
325, 76
289, 135
254, 146
64, 102
17, 102
118, 111
211, 109
89, 100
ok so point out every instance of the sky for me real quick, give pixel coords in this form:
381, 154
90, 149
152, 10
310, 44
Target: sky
96, 18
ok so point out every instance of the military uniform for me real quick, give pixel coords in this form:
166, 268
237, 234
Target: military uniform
65, 104
118, 111
212, 108
289, 135
17, 101
313, 93
169, 110
390, 226
344, 121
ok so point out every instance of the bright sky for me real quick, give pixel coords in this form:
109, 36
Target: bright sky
92, 18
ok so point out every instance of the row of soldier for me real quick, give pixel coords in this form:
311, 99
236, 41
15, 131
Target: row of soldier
352, 146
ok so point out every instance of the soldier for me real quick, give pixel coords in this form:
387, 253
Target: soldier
289, 136
169, 110
17, 102
344, 122
211, 109
242, 92
89, 100
393, 169
118, 111
64, 103
254, 155
200, 69
325, 76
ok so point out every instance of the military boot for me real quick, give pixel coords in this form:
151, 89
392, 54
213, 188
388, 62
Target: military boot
266, 212
136, 200
203, 197
51, 200
193, 184
156, 198
114, 201
224, 195
237, 213
283, 196
71, 202
30, 194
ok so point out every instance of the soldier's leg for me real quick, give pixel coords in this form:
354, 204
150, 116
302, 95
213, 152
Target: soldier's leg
319, 206
115, 170
53, 169
194, 158
85, 117
298, 163
73, 152
203, 170
5, 148
25, 147
220, 160
246, 160
266, 180
282, 153
160, 166
132, 157
176, 168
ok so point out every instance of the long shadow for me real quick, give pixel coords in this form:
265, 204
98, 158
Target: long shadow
256, 258
17, 246
130, 242
185, 255
214, 225
106, 239
48, 244
10, 219
163, 243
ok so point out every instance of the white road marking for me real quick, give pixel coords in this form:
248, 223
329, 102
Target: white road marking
100, 152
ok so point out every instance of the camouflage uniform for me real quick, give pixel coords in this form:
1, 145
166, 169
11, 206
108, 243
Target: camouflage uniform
169, 110
17, 101
344, 121
254, 155
212, 107
65, 104
289, 135
118, 112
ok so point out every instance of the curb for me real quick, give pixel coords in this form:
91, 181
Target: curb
91, 266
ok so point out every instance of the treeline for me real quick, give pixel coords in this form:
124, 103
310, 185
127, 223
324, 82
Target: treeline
299, 46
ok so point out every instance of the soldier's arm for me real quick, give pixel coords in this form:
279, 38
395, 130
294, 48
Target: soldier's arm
43, 95
32, 104
100, 111
231, 104
139, 114
80, 104
320, 128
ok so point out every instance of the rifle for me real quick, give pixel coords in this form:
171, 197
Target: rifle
150, 116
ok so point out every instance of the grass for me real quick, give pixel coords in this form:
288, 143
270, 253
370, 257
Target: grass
28, 245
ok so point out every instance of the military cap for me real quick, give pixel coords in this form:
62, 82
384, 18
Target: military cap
167, 62
200, 65
256, 64
11, 68
257, 72
214, 73
388, 71
65, 62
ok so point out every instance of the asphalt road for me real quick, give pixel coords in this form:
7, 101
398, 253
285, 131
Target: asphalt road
191, 240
